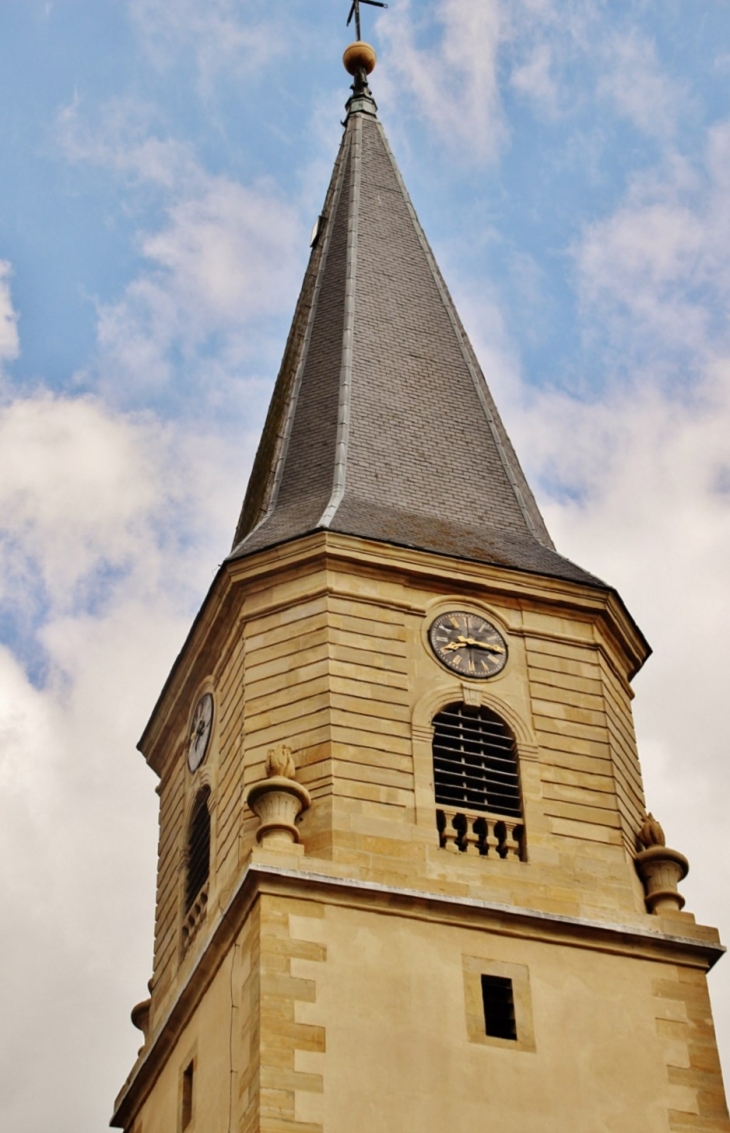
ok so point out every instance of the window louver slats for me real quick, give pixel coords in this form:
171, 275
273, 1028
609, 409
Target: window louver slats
198, 850
475, 762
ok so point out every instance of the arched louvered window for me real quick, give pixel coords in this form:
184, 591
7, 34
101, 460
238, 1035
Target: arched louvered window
476, 776
198, 850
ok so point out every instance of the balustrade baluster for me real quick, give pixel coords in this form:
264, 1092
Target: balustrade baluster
510, 845
491, 841
450, 834
480, 835
470, 839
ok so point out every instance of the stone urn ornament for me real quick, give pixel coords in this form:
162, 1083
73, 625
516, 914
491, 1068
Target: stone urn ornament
660, 869
141, 1020
278, 800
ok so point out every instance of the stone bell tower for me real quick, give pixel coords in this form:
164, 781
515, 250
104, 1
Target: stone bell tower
406, 878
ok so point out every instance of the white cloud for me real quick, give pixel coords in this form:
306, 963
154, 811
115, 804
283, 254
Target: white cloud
534, 79
92, 499
229, 251
221, 35
224, 258
641, 91
124, 135
225, 262
453, 83
69, 781
76, 486
657, 268
9, 341
111, 525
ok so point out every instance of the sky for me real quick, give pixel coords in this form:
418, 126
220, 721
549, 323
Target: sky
163, 162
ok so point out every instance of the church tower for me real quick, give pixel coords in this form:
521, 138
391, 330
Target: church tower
406, 878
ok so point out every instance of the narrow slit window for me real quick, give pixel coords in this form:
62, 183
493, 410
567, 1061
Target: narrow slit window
187, 1095
499, 1007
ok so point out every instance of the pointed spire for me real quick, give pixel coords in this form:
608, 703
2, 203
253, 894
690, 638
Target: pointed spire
381, 423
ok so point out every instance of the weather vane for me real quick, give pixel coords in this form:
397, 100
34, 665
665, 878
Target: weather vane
355, 11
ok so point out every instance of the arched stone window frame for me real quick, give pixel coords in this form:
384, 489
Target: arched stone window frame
204, 777
201, 798
453, 691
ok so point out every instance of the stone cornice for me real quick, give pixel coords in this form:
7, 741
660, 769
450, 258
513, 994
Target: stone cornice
221, 608
701, 949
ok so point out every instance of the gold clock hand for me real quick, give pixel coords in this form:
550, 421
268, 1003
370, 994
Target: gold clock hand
483, 645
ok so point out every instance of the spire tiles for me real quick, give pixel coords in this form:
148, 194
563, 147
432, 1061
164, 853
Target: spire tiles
381, 423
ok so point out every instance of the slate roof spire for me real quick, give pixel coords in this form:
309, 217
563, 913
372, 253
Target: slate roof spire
381, 424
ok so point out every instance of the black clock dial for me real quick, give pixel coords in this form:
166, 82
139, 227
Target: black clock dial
200, 729
468, 644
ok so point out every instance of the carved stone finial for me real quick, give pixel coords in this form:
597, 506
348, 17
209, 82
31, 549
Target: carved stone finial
278, 800
280, 761
660, 869
651, 833
360, 57
141, 1020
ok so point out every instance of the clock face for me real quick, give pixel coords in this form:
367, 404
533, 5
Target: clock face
200, 729
468, 645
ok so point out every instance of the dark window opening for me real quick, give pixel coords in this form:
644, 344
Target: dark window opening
187, 1096
499, 1007
475, 761
198, 857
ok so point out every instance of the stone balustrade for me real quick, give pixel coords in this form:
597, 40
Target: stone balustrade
479, 834
194, 918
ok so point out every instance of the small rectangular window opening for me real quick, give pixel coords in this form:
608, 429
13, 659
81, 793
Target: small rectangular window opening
187, 1096
499, 1007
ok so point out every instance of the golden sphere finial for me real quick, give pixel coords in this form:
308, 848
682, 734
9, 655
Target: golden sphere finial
358, 56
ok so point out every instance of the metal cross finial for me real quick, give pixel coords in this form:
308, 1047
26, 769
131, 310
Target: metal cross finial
355, 11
